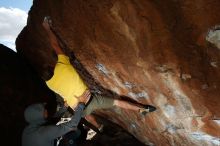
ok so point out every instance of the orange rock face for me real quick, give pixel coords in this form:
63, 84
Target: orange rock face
153, 52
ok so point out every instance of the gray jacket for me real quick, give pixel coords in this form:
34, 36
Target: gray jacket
36, 134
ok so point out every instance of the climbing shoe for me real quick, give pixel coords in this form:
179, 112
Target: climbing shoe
147, 109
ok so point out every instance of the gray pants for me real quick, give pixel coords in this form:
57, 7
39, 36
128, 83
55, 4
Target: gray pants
98, 102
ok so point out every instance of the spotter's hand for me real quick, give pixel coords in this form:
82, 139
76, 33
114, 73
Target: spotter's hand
85, 97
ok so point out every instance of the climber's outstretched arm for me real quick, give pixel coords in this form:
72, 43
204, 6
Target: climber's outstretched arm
52, 37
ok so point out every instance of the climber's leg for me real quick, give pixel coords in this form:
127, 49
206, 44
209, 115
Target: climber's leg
143, 109
93, 120
100, 102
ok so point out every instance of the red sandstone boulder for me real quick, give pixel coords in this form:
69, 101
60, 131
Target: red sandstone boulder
153, 52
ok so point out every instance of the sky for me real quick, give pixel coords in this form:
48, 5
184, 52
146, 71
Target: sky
13, 18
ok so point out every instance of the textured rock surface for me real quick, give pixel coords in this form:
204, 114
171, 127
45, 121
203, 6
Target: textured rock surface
148, 51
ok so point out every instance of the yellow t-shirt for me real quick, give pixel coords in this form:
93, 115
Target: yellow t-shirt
66, 81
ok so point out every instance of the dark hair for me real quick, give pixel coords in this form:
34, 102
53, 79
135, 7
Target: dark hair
47, 73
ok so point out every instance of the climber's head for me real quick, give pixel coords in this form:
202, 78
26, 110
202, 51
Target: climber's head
36, 114
47, 72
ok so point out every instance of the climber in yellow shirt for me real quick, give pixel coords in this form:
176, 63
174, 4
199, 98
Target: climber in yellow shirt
66, 82
65, 79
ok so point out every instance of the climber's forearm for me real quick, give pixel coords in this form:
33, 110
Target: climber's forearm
52, 36
54, 43
57, 49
